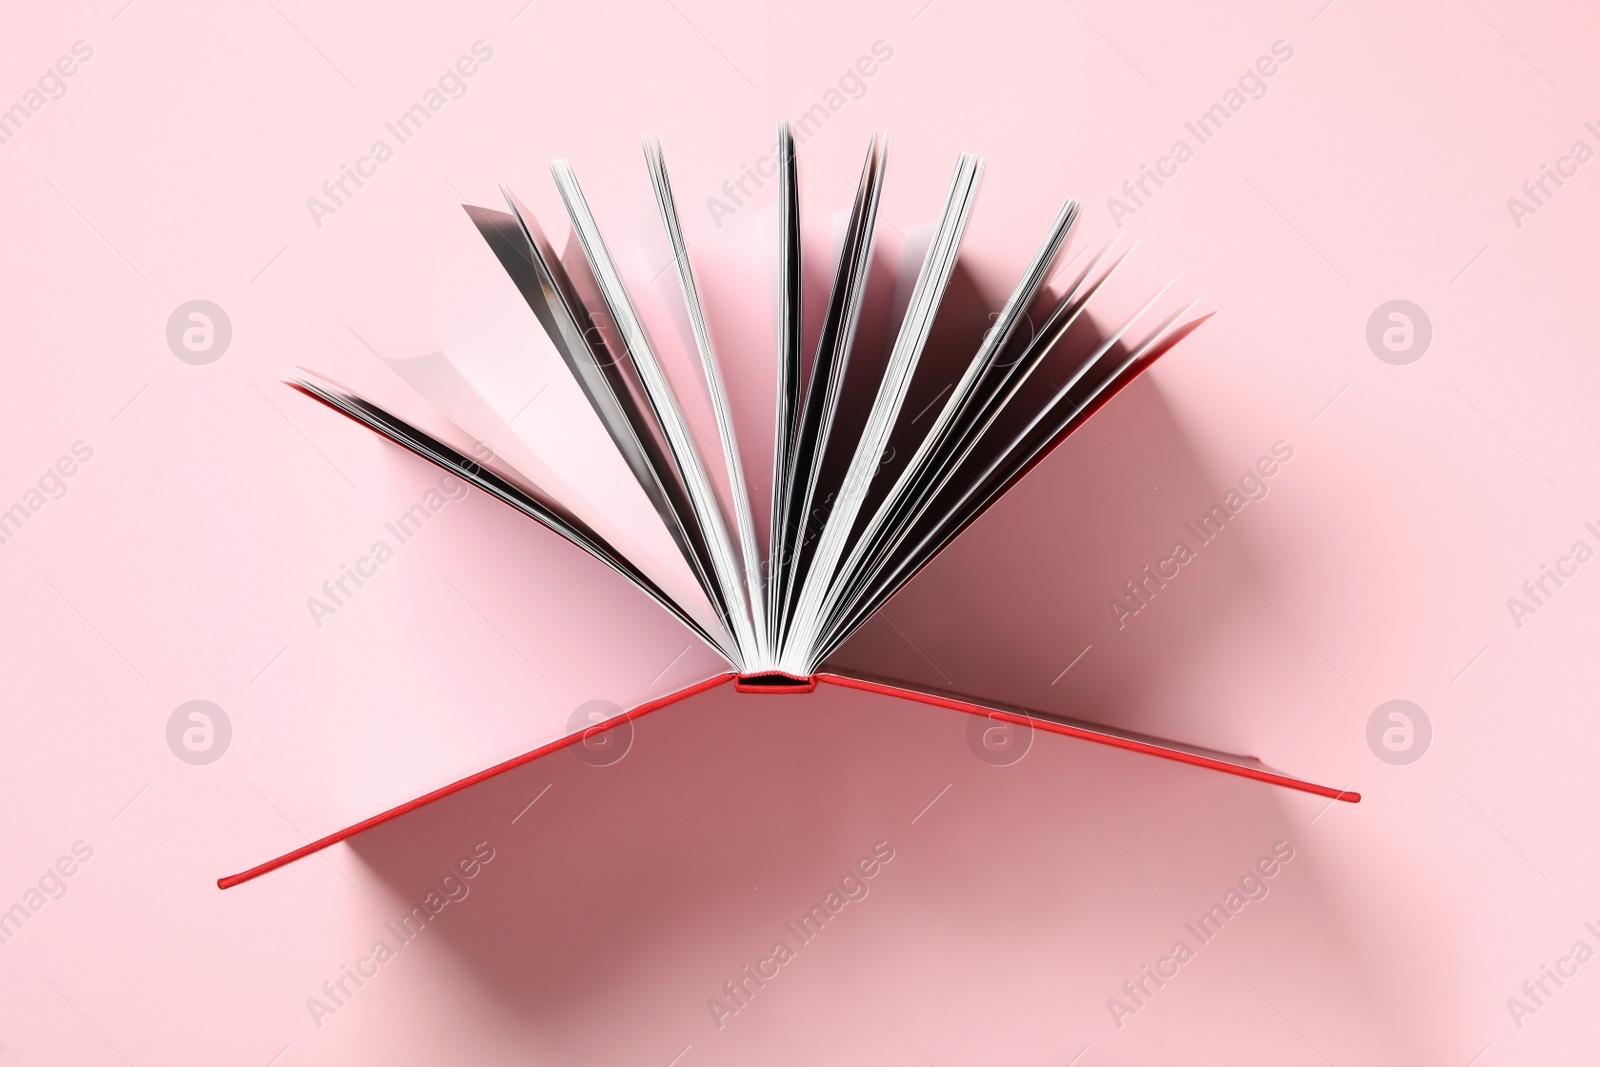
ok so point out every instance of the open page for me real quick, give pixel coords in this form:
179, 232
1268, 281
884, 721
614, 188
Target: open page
548, 512
960, 412
980, 484
791, 328
972, 435
631, 333
657, 164
925, 298
607, 378
828, 371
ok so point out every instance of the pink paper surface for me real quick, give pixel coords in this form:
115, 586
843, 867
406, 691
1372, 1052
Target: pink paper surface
1384, 560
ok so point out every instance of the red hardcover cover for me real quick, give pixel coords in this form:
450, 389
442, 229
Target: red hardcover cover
1228, 763
783, 684
472, 779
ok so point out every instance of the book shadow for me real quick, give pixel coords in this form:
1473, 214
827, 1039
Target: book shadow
1019, 607
654, 880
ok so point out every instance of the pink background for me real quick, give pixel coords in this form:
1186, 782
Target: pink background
178, 562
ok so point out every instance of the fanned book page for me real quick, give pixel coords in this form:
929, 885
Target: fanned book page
845, 530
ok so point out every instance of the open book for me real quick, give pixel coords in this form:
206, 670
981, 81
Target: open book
845, 528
